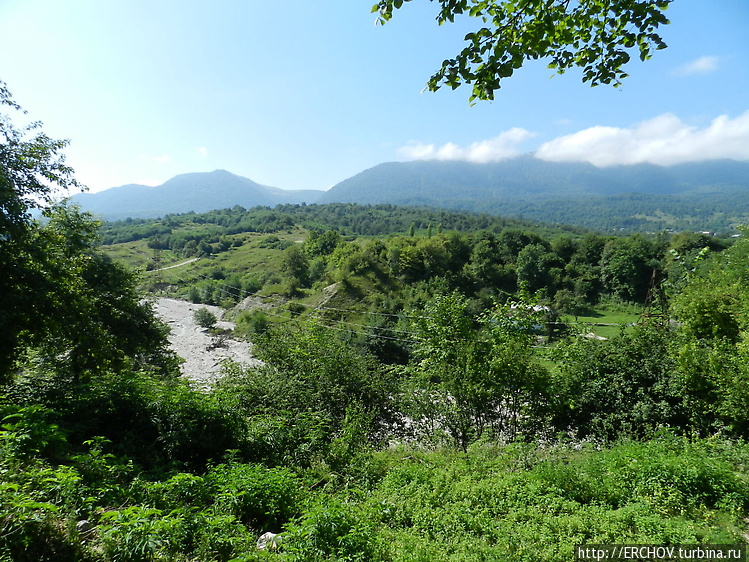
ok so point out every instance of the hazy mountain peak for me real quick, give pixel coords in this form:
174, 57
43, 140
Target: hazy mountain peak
563, 192
195, 191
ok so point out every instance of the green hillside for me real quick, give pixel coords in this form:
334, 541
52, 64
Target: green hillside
702, 196
342, 261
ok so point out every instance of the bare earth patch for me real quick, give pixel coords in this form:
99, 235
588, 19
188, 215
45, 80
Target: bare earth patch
195, 345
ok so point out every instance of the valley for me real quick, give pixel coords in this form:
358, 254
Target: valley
513, 326
410, 384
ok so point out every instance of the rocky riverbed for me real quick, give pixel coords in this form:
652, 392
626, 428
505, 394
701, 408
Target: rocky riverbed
195, 345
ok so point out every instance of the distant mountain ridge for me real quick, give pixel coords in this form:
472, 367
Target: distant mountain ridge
703, 195
199, 192
528, 178
706, 195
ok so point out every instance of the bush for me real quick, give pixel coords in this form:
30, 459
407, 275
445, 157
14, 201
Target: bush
149, 420
251, 285
133, 534
205, 318
30, 536
317, 269
331, 530
193, 295
709, 315
626, 386
308, 369
195, 428
182, 489
253, 323
258, 496
296, 308
28, 432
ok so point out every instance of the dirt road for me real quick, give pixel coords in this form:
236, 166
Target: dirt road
191, 342
193, 260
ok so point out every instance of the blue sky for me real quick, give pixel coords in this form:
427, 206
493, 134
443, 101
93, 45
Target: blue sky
302, 95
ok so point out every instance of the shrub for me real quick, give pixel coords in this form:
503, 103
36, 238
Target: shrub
317, 269
205, 318
135, 533
251, 323
193, 295
309, 370
258, 323
182, 489
28, 432
331, 530
193, 427
29, 533
251, 285
628, 385
258, 496
296, 308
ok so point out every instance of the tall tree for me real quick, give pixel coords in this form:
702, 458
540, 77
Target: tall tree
627, 266
60, 296
32, 169
471, 379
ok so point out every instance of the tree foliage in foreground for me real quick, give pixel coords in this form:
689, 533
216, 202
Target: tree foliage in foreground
595, 35
30, 169
63, 302
475, 381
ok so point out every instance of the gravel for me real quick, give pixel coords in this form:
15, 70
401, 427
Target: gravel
193, 343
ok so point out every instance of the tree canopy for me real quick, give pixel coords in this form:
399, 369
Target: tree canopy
595, 35
61, 299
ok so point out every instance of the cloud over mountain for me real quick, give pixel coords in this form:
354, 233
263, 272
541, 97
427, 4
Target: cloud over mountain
492, 150
664, 140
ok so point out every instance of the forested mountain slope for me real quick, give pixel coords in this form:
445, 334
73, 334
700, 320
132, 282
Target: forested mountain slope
697, 196
198, 192
705, 196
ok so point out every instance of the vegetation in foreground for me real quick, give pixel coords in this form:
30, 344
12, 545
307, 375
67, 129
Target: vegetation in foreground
466, 442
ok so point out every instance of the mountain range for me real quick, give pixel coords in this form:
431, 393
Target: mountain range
710, 195
198, 192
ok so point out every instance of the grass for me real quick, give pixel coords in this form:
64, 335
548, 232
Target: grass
254, 258
137, 255
247, 258
608, 319
526, 504
519, 502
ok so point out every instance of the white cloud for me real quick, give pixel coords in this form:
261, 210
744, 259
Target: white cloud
498, 148
663, 140
203, 151
702, 65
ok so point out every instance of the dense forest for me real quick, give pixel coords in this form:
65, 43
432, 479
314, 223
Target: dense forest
635, 198
426, 391
391, 252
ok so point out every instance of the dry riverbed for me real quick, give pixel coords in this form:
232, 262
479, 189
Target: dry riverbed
193, 343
